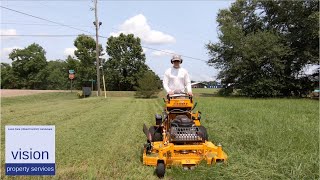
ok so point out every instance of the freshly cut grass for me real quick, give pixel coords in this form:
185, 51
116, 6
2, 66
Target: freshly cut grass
99, 138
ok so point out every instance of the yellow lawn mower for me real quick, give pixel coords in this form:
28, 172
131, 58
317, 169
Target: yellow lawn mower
178, 138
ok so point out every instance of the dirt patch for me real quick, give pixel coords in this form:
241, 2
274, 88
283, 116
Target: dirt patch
25, 92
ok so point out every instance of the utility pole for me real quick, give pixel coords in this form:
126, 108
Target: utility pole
97, 24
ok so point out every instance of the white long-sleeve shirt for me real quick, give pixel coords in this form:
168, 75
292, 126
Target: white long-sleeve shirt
177, 80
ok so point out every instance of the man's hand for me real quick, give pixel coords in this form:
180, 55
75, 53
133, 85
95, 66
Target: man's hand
190, 94
171, 92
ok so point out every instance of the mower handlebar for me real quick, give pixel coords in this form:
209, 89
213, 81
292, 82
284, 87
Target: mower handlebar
178, 95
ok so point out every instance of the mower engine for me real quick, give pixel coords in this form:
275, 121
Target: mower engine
186, 134
184, 130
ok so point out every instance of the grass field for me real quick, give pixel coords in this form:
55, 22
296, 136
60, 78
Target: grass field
99, 138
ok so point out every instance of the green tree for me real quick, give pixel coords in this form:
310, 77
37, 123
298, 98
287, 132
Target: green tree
148, 85
72, 63
259, 49
86, 54
8, 80
28, 65
126, 63
297, 23
57, 75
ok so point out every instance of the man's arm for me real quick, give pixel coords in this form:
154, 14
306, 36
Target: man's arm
187, 83
166, 83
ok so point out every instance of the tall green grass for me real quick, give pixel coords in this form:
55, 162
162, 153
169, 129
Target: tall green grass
99, 138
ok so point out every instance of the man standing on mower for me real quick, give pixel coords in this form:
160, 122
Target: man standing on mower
176, 79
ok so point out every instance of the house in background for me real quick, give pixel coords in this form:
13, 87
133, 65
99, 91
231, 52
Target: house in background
209, 84
215, 85
198, 85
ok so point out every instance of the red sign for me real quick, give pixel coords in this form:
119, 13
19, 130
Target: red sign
71, 76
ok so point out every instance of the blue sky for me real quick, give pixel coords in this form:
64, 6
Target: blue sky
183, 27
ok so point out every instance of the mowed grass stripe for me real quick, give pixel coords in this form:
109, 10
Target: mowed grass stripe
97, 137
119, 151
119, 140
123, 161
18, 110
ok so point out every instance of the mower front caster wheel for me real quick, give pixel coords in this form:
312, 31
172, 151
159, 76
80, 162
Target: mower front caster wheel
160, 170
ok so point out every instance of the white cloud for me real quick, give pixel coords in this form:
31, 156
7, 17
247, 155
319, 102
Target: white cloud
105, 55
144, 50
69, 51
4, 54
163, 53
310, 69
8, 32
139, 26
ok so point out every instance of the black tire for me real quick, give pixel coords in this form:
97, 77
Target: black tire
204, 132
160, 170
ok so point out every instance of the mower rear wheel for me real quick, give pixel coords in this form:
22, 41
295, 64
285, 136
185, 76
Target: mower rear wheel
204, 131
160, 170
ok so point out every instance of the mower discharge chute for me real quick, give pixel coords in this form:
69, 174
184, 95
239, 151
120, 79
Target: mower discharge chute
178, 138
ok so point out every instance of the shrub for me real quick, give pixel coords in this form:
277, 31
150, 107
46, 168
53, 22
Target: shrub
80, 94
148, 85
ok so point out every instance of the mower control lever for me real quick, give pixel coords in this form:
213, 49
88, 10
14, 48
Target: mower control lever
195, 105
147, 133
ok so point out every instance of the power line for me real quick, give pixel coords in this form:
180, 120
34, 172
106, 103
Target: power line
35, 24
41, 35
58, 0
91, 34
45, 19
198, 59
71, 35
146, 47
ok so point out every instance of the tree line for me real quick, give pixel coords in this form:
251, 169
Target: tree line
124, 70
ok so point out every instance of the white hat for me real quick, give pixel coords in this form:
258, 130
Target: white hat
176, 58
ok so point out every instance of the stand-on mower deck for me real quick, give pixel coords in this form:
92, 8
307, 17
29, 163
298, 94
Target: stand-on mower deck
178, 138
